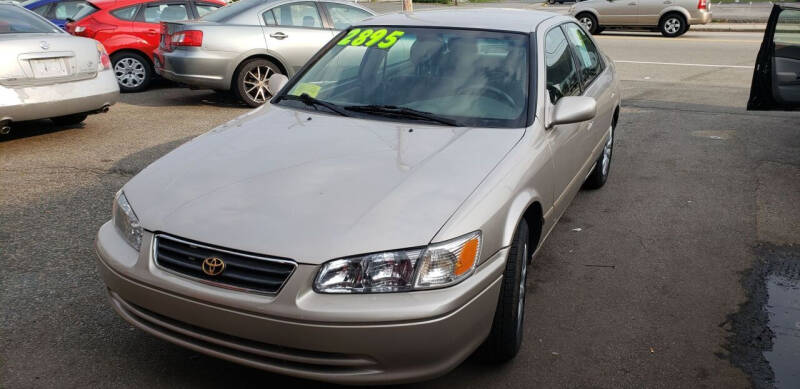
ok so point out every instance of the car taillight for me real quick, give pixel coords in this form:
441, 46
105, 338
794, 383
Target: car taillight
186, 38
89, 27
105, 61
702, 4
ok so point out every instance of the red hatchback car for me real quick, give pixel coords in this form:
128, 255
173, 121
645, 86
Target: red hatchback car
130, 30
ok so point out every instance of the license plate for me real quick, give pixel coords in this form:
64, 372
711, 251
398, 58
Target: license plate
46, 68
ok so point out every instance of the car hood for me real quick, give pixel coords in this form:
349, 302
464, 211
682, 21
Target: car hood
312, 187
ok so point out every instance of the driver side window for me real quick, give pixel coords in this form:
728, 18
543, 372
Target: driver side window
562, 76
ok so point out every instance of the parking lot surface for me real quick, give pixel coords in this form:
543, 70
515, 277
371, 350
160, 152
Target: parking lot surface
639, 285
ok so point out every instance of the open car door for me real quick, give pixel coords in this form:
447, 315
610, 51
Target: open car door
776, 79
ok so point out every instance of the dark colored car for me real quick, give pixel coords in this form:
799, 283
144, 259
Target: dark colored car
776, 79
130, 30
57, 11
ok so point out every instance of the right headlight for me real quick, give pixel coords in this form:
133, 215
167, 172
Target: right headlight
126, 221
438, 265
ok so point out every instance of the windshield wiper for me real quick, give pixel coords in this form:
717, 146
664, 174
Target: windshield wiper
393, 110
314, 102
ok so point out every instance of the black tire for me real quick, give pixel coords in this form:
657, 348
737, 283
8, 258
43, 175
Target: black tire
254, 73
505, 338
588, 21
602, 167
68, 120
134, 71
672, 25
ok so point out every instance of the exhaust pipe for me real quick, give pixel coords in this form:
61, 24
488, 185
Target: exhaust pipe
5, 127
105, 108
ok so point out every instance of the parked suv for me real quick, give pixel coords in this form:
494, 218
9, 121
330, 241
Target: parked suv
130, 30
671, 17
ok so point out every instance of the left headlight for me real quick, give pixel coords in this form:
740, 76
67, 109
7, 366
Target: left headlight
438, 265
126, 221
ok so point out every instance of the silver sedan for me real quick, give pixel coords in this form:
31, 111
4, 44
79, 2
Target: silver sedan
241, 45
374, 222
47, 73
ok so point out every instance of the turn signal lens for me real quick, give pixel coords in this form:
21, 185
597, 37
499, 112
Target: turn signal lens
449, 262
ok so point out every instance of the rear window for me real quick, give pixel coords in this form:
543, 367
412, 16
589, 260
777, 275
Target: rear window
84, 12
17, 20
229, 11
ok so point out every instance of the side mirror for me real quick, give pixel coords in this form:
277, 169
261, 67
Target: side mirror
275, 83
573, 109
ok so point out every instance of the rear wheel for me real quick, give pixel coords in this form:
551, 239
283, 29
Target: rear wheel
68, 120
505, 338
672, 25
252, 81
589, 22
133, 71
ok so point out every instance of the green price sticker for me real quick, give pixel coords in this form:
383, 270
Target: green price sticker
309, 89
368, 37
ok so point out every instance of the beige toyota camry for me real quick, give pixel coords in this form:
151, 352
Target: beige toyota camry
374, 223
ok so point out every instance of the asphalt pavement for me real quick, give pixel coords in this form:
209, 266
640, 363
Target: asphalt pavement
639, 285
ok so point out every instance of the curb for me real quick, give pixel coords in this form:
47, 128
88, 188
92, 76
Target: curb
729, 27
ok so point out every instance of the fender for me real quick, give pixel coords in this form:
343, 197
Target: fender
115, 43
675, 8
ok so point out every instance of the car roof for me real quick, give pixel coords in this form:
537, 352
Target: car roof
106, 4
503, 19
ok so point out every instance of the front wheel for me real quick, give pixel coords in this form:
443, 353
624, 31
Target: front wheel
505, 338
599, 175
133, 71
589, 22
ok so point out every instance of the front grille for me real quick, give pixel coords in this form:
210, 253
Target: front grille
242, 271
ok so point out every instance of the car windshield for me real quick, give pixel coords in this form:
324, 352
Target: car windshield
16, 20
465, 77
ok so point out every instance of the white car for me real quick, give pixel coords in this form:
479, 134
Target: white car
47, 73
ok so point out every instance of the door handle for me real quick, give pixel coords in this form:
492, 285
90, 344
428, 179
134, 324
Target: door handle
667, 2
278, 35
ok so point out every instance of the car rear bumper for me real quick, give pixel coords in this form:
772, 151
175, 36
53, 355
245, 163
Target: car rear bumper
47, 101
700, 17
195, 67
345, 339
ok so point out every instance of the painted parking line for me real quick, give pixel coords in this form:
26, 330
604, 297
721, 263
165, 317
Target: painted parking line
687, 64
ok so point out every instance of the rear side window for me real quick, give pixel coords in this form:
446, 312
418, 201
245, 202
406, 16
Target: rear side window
68, 9
586, 52
42, 9
562, 76
155, 13
269, 18
127, 13
204, 9
298, 15
344, 16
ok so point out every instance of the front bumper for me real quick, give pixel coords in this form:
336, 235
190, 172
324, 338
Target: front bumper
346, 339
67, 98
196, 67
